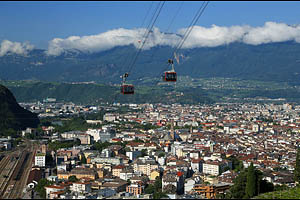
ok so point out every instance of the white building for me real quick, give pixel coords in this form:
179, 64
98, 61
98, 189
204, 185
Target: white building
81, 187
40, 160
52, 189
133, 154
197, 165
255, 127
95, 133
145, 165
215, 167
190, 183
109, 117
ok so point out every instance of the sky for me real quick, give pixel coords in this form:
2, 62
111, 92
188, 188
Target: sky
51, 25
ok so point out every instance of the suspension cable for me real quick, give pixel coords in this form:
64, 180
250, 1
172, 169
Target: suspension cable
171, 23
143, 22
201, 10
187, 32
148, 33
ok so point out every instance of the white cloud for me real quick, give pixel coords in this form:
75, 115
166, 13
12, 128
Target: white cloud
272, 32
14, 47
200, 37
214, 36
100, 42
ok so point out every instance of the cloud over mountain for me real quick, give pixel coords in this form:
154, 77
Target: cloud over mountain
200, 37
110, 39
7, 46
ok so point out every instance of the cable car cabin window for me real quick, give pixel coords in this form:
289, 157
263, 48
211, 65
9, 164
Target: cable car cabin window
170, 76
127, 89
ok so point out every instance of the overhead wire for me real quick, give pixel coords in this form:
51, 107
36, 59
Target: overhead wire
142, 24
145, 35
189, 29
185, 36
193, 25
171, 23
166, 31
145, 39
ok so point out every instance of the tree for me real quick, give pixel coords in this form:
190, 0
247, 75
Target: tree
238, 190
237, 165
40, 187
159, 195
251, 185
72, 179
150, 189
83, 159
156, 189
297, 167
162, 154
158, 183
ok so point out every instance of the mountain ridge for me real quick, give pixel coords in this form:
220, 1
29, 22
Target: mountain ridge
268, 62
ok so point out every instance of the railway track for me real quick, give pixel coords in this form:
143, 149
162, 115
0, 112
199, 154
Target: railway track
19, 165
20, 179
7, 173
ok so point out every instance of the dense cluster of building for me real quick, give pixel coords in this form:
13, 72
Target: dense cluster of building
188, 150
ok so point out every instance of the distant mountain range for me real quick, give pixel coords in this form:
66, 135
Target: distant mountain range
278, 62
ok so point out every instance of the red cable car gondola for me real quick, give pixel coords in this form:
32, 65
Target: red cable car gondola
170, 76
126, 88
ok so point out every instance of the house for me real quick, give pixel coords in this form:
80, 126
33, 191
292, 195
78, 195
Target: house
211, 191
79, 173
227, 177
133, 154
82, 187
126, 174
135, 189
145, 166
117, 185
51, 191
101, 172
116, 170
190, 183
214, 167
197, 165
176, 179
106, 192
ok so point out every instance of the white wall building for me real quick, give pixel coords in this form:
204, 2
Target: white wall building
95, 133
81, 187
109, 117
40, 160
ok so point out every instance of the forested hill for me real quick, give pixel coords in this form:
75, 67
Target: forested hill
267, 62
12, 115
33, 91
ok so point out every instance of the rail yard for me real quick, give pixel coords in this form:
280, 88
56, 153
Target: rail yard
14, 171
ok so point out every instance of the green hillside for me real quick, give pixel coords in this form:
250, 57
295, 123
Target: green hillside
12, 115
33, 91
187, 90
293, 193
